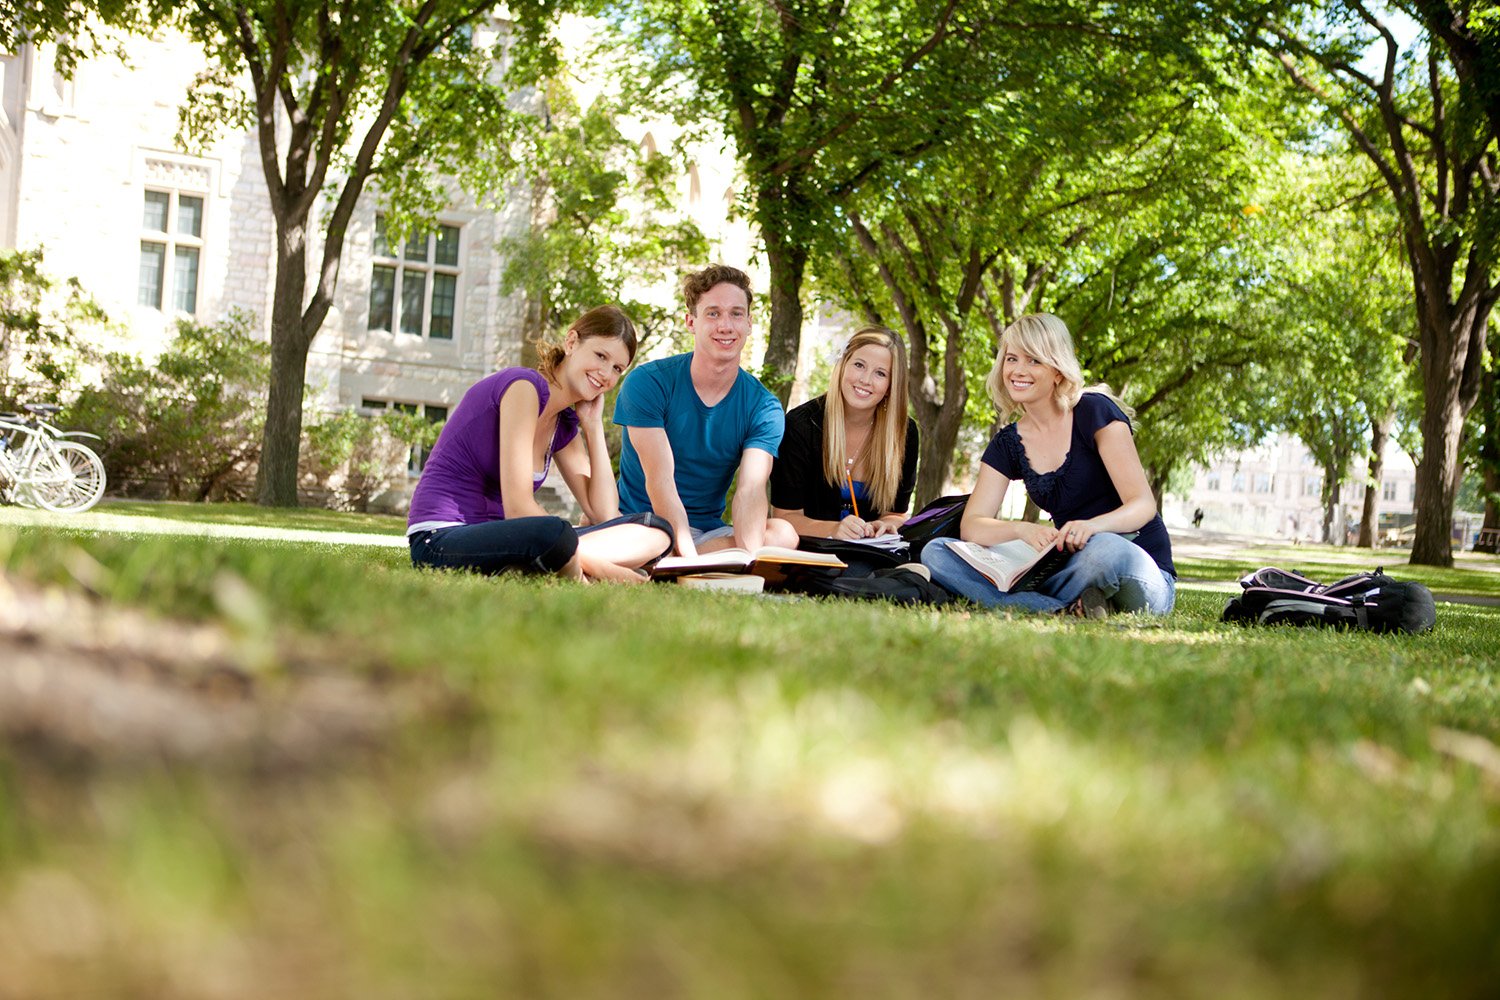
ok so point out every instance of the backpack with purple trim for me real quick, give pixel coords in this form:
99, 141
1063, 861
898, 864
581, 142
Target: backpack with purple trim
938, 519
1371, 602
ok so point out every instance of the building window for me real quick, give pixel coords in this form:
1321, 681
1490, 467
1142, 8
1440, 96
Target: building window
414, 288
1262, 482
1213, 482
1388, 490
435, 415
171, 251
1237, 484
1312, 486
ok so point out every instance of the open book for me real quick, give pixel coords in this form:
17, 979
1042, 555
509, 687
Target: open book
1012, 566
769, 561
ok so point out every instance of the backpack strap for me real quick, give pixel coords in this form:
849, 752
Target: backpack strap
1361, 613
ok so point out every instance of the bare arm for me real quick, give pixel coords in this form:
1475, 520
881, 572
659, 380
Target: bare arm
1123, 463
981, 524
585, 467
751, 508
518, 417
655, 452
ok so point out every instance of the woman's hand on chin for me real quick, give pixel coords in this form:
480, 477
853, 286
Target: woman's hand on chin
590, 411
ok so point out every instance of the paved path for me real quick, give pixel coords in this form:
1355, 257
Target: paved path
135, 524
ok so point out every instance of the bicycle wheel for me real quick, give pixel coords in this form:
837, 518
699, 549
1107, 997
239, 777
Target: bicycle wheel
67, 477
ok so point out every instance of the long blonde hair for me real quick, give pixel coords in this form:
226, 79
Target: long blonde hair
886, 445
1045, 337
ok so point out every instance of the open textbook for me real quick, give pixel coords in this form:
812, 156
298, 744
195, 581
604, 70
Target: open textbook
769, 561
1012, 566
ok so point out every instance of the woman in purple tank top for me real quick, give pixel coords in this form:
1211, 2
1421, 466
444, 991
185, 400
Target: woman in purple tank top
474, 507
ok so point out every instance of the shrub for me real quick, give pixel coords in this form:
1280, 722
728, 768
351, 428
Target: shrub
188, 427
350, 460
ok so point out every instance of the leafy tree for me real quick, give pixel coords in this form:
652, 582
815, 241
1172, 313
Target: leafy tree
1424, 124
78, 29
47, 329
342, 95
1096, 168
603, 225
817, 98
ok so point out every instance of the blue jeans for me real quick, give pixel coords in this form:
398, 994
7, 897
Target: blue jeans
1129, 578
523, 544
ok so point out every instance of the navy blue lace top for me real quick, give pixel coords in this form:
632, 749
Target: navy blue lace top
1080, 487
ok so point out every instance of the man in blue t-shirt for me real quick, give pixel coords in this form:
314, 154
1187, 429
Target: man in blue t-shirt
692, 421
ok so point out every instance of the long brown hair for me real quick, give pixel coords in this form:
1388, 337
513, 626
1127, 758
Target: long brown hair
600, 321
887, 442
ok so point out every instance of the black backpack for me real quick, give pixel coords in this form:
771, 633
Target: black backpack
938, 519
897, 584
1370, 602
861, 560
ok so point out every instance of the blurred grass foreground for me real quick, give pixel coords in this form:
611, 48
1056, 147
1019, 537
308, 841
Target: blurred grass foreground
242, 768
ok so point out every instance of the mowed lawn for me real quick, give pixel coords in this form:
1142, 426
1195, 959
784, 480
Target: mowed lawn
246, 769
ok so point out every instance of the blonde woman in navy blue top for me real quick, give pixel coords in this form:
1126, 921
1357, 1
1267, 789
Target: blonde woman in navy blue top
1072, 448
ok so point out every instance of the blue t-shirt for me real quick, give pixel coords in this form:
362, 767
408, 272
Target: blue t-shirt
1080, 487
707, 441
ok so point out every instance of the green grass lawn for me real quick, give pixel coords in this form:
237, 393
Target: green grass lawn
392, 784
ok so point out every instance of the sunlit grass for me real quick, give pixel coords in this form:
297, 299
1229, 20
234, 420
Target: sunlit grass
658, 792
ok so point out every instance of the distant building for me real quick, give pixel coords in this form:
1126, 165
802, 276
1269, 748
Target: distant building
1276, 490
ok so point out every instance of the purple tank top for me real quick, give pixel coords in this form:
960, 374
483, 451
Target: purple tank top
461, 481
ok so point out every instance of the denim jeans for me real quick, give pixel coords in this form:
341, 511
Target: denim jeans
523, 544
1129, 578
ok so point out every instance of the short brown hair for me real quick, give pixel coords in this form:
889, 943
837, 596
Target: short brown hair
697, 284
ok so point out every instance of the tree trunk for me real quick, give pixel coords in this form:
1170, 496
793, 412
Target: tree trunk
1452, 360
1331, 496
276, 478
1380, 434
787, 264
940, 421
1489, 457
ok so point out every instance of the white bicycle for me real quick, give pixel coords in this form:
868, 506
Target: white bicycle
40, 466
